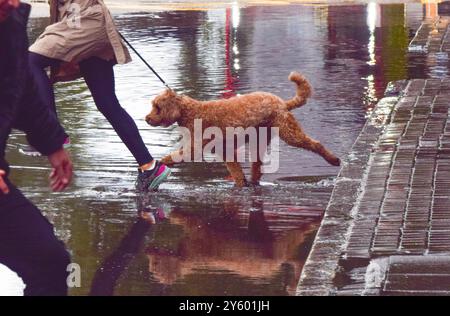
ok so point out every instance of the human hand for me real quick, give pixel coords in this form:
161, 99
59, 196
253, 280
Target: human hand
6, 6
3, 187
61, 174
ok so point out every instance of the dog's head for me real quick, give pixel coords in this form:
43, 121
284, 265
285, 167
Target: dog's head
166, 109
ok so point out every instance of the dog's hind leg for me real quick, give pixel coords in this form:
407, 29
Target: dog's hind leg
236, 172
263, 145
256, 172
291, 132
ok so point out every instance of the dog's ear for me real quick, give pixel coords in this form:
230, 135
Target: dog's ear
170, 107
172, 113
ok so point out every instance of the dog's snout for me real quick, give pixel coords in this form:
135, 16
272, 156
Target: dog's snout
148, 119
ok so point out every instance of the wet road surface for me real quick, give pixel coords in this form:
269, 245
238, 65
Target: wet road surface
199, 235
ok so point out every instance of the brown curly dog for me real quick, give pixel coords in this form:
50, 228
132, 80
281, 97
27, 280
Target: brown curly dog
258, 109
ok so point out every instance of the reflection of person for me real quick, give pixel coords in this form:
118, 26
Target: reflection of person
28, 244
83, 41
112, 268
107, 275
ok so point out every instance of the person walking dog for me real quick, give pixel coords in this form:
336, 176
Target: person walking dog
28, 245
82, 41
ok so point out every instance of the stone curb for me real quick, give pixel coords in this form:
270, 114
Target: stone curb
323, 261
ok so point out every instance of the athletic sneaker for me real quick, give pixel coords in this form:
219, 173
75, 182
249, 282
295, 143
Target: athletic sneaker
31, 151
67, 143
151, 179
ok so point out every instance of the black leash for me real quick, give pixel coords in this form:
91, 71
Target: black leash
145, 62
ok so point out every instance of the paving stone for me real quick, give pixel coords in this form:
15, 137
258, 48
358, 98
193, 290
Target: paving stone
398, 203
417, 275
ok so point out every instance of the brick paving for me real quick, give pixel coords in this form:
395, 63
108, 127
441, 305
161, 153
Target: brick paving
386, 230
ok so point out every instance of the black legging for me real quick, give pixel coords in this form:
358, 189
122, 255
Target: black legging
99, 77
29, 246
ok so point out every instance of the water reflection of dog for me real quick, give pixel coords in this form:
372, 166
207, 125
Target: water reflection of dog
258, 245
255, 245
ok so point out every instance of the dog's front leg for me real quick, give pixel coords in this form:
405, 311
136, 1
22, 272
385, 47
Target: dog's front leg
179, 156
236, 172
170, 159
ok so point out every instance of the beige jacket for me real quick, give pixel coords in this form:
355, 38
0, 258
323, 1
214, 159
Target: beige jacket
79, 29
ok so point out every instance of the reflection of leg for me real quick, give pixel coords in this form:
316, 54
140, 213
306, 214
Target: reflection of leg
38, 63
109, 272
99, 76
289, 277
258, 229
29, 246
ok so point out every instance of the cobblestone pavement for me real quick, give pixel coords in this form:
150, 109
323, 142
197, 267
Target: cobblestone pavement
387, 227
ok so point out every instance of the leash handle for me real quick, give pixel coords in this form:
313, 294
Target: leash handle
145, 62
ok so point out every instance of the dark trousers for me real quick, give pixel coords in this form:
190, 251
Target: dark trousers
29, 247
99, 77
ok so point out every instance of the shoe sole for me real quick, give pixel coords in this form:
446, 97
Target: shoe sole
30, 153
160, 179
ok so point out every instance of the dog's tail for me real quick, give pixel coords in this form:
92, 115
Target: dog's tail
304, 91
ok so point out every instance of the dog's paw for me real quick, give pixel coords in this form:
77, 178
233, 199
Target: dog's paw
254, 184
335, 161
168, 161
240, 183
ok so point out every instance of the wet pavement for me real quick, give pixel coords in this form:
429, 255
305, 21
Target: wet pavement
199, 235
395, 236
